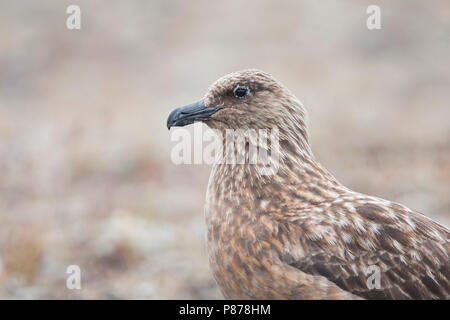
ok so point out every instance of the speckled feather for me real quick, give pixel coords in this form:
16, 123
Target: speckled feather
300, 234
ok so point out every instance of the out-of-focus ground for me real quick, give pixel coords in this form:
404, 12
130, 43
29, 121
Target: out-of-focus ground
85, 172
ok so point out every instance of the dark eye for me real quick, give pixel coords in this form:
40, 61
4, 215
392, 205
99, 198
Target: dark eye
241, 91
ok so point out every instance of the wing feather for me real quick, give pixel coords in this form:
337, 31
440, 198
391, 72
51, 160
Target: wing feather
410, 251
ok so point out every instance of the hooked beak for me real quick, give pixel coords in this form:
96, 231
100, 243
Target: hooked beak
191, 113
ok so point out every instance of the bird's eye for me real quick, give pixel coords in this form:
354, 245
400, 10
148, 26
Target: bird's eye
241, 91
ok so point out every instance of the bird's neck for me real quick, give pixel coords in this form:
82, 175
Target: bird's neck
289, 173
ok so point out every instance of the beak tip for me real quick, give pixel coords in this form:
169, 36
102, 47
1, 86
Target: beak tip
171, 120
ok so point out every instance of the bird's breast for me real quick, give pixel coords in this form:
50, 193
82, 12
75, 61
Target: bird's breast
239, 237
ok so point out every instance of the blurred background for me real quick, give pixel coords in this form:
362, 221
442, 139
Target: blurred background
85, 172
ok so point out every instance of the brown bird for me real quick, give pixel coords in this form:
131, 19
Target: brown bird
298, 233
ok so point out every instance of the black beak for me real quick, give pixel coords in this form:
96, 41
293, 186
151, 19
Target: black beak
191, 113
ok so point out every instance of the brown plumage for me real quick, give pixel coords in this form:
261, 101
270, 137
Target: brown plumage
299, 233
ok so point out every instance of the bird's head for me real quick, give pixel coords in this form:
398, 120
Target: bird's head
248, 99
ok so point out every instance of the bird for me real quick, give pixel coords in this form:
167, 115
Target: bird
298, 233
